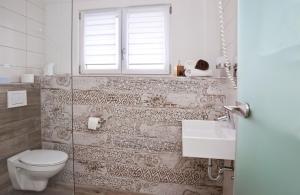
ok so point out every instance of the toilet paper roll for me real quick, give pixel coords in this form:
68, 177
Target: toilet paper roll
93, 123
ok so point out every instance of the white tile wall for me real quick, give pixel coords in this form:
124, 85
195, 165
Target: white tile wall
39, 3
35, 60
35, 44
22, 37
18, 6
12, 56
58, 32
35, 12
12, 39
35, 29
12, 20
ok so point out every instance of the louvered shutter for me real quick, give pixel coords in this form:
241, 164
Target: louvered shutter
101, 41
146, 40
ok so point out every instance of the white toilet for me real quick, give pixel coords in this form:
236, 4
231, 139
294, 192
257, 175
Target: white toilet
31, 169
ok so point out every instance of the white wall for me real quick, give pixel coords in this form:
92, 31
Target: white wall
21, 37
230, 24
26, 24
58, 34
194, 27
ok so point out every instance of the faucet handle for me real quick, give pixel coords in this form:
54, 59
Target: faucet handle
223, 118
241, 109
226, 117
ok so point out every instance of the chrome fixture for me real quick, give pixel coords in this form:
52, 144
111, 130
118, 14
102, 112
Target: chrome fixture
241, 109
226, 117
221, 64
221, 171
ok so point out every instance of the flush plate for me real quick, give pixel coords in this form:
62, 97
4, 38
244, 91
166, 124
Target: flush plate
16, 99
208, 139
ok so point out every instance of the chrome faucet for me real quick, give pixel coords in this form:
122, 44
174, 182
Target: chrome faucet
226, 117
241, 109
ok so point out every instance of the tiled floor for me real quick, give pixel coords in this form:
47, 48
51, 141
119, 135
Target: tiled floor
51, 190
65, 190
96, 191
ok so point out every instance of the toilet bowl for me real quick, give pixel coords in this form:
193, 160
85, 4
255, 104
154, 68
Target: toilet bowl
31, 169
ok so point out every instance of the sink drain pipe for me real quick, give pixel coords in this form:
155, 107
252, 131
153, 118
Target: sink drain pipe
221, 171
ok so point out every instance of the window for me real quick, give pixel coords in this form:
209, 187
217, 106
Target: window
132, 40
100, 42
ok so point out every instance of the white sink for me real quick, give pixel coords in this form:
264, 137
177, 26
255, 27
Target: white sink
208, 139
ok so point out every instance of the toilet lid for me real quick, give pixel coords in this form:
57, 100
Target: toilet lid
44, 157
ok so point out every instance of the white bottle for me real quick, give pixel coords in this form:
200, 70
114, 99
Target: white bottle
49, 69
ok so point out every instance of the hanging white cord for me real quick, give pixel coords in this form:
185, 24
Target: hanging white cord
223, 45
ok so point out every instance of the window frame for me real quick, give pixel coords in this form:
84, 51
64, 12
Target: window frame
83, 69
123, 58
125, 69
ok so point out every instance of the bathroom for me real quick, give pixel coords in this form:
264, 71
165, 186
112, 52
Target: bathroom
140, 97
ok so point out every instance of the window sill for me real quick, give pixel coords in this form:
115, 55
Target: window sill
169, 76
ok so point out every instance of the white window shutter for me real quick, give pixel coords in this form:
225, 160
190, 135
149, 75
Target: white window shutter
146, 40
101, 41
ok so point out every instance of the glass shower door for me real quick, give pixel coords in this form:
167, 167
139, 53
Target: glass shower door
56, 91
268, 142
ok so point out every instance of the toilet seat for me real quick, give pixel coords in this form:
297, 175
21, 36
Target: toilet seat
43, 158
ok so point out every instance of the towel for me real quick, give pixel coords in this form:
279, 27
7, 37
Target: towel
198, 73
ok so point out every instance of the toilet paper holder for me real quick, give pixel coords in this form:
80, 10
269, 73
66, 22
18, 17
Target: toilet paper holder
94, 123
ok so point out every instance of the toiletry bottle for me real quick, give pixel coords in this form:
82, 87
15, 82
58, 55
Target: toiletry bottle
180, 69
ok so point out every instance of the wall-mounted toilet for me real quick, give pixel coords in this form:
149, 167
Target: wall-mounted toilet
31, 169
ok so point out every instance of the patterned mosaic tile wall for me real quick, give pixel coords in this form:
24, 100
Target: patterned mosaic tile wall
56, 121
138, 145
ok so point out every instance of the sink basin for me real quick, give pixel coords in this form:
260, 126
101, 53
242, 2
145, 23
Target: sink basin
208, 139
